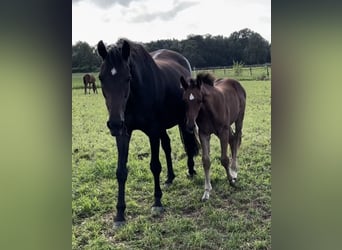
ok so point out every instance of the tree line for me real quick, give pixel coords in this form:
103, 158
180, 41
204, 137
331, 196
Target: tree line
244, 46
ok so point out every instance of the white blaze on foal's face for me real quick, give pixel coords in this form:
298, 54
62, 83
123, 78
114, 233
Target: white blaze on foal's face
191, 97
113, 71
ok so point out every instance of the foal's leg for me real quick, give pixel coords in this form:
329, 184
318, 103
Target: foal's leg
234, 146
122, 143
94, 88
205, 142
224, 137
156, 169
165, 141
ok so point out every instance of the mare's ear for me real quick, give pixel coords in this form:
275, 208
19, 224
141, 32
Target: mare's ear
125, 50
184, 83
101, 48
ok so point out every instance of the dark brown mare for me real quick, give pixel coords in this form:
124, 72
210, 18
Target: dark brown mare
142, 91
89, 82
214, 106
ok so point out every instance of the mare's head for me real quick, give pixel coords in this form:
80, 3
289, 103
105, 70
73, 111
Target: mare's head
115, 80
193, 98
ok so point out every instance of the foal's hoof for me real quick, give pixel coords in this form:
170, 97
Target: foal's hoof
118, 224
232, 182
205, 196
156, 211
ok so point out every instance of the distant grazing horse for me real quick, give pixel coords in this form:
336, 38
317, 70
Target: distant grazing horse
215, 106
89, 81
142, 91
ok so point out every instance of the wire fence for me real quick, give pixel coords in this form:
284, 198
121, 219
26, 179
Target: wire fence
249, 72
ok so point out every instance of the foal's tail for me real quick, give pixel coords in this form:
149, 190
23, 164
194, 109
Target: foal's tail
190, 142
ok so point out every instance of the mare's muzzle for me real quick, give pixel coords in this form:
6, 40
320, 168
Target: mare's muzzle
190, 128
115, 127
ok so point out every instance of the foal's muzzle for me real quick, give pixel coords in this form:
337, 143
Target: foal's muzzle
115, 127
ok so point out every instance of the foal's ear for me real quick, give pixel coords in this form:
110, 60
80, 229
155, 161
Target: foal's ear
125, 50
101, 48
184, 83
199, 83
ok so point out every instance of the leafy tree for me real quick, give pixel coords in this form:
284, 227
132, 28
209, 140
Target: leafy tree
202, 51
84, 58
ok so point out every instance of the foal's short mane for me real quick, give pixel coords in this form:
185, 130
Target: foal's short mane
206, 78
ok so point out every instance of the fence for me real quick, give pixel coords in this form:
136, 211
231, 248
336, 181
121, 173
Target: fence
249, 72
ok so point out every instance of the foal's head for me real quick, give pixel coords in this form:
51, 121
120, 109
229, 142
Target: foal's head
115, 79
193, 98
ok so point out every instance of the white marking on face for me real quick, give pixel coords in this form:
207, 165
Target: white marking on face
191, 97
113, 71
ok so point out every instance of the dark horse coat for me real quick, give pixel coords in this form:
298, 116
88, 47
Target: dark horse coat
142, 91
89, 82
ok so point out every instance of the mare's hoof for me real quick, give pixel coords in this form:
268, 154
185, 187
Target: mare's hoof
168, 182
118, 224
167, 185
191, 175
156, 211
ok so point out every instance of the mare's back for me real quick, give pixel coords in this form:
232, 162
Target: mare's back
172, 66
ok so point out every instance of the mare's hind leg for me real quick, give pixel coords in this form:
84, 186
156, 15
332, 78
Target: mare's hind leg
165, 141
205, 142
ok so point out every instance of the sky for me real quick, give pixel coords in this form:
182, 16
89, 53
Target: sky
151, 20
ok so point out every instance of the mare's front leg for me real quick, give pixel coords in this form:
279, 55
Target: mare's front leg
122, 143
156, 169
165, 141
205, 142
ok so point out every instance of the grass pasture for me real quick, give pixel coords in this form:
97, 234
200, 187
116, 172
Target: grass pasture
231, 219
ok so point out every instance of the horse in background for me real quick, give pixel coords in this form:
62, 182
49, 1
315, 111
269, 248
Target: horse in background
214, 105
89, 82
142, 92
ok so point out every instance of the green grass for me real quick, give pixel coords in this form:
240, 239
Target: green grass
231, 219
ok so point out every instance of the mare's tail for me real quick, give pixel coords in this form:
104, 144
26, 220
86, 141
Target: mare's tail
190, 142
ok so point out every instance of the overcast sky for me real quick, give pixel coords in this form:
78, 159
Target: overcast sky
150, 20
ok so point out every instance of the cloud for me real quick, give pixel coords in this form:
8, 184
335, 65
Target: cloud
163, 15
106, 3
